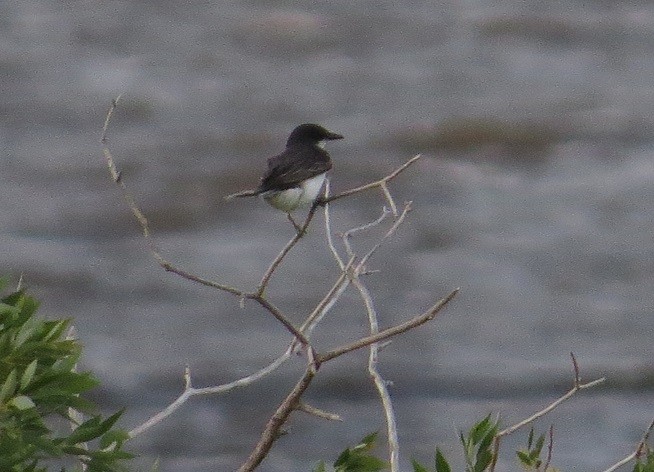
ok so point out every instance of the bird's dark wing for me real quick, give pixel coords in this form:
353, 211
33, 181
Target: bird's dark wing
293, 166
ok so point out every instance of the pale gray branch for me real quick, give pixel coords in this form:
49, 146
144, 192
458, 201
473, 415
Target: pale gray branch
577, 386
378, 183
190, 391
641, 449
390, 332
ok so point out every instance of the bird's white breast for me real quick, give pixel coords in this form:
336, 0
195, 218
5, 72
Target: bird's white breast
290, 199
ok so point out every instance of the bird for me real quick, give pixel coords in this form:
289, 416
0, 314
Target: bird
295, 177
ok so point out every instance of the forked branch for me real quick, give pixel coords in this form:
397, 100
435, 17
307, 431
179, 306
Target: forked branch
576, 386
350, 273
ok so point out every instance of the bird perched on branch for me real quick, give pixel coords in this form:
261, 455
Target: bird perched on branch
295, 177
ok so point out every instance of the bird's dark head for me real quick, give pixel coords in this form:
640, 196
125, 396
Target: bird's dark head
310, 133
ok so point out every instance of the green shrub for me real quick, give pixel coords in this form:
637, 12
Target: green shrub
40, 403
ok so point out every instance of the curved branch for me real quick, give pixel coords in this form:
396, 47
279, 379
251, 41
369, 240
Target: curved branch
641, 449
381, 183
389, 332
314, 361
577, 385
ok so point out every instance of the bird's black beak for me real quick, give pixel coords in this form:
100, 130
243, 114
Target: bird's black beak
331, 136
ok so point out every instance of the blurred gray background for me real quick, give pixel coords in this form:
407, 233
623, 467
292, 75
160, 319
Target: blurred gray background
535, 197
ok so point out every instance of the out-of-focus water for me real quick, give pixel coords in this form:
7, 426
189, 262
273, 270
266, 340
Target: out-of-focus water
534, 196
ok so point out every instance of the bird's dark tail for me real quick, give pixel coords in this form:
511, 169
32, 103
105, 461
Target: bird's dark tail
244, 193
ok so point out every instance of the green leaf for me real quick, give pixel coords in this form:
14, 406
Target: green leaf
524, 458
486, 441
38, 382
55, 329
645, 464
441, 463
417, 467
9, 386
21, 402
483, 461
92, 428
320, 467
539, 445
368, 442
28, 374
480, 430
31, 326
117, 436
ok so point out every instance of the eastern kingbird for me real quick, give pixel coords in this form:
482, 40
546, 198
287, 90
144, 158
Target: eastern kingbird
294, 177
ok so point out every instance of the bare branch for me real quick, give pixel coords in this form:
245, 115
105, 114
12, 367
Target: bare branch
278, 260
390, 332
328, 229
550, 447
314, 361
190, 391
641, 449
575, 388
277, 420
21, 282
280, 317
575, 366
377, 183
143, 222
550, 407
311, 410
328, 301
349, 274
348, 234
398, 221
112, 107
380, 384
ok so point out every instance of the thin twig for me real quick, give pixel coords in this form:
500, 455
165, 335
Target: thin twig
577, 385
277, 420
190, 391
550, 407
312, 410
327, 301
140, 217
641, 449
112, 107
145, 227
21, 282
380, 384
280, 317
348, 234
550, 447
377, 183
278, 260
389, 332
396, 224
328, 229
314, 361
389, 198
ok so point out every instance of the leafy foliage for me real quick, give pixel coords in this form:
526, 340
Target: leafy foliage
38, 385
645, 464
357, 458
440, 464
477, 445
530, 458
